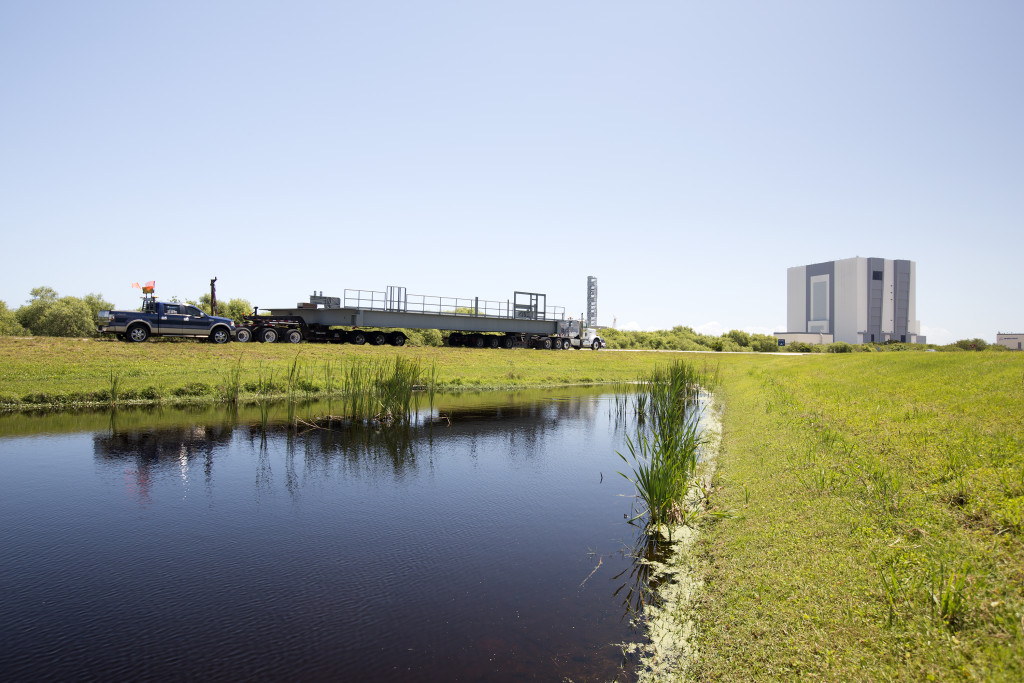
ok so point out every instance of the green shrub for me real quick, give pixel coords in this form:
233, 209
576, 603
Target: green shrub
9, 325
192, 389
839, 347
66, 317
972, 344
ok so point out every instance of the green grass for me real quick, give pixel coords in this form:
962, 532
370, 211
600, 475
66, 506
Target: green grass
876, 530
53, 371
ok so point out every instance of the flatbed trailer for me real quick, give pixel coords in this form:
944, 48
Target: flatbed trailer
525, 321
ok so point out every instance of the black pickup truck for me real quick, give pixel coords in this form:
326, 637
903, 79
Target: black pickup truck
158, 318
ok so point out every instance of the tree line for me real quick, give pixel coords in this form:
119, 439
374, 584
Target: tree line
47, 314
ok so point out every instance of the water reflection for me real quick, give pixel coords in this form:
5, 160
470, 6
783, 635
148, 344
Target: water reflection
460, 545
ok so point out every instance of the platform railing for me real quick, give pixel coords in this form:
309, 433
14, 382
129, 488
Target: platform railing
371, 300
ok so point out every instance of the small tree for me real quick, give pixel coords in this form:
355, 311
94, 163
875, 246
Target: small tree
67, 317
739, 336
235, 309
9, 325
97, 303
33, 310
972, 344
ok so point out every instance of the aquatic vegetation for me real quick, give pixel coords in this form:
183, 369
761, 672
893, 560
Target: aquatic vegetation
665, 449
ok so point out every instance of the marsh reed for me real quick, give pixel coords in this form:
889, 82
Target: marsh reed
665, 449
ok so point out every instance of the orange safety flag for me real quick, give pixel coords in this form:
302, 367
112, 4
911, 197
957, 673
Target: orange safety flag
151, 283
135, 285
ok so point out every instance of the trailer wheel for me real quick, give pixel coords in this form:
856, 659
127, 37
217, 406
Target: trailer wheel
507, 342
137, 333
545, 343
293, 336
356, 337
455, 339
494, 342
243, 334
596, 345
377, 338
477, 341
268, 335
396, 339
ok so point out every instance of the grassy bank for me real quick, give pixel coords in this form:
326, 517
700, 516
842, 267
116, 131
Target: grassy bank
879, 512
46, 371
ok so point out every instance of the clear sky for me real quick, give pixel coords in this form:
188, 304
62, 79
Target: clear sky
684, 153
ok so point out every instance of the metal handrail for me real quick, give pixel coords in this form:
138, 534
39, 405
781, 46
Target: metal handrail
372, 300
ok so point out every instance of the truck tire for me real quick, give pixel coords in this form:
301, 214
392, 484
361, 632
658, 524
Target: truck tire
137, 333
356, 337
396, 339
220, 335
596, 345
268, 335
507, 342
477, 341
566, 344
455, 339
377, 338
494, 342
293, 336
545, 343
243, 334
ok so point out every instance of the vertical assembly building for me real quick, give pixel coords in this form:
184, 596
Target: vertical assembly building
855, 300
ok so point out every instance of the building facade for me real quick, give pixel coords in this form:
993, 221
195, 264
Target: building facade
1012, 340
855, 300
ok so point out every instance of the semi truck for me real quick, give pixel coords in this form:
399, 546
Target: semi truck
375, 317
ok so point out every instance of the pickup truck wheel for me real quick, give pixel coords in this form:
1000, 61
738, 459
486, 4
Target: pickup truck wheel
220, 336
268, 335
243, 334
356, 338
137, 333
596, 345
293, 336
396, 339
377, 338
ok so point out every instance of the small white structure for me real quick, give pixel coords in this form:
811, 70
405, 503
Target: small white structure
856, 300
1011, 340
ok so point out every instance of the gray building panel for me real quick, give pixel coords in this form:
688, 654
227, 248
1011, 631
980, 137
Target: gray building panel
901, 274
876, 282
813, 270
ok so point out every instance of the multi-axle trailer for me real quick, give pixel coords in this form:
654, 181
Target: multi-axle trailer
524, 321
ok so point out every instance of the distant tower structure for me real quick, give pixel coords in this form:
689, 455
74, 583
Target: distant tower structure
591, 301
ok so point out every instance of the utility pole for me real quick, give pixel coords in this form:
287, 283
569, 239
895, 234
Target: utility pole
213, 296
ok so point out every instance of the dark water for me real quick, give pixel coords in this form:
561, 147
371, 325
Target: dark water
181, 545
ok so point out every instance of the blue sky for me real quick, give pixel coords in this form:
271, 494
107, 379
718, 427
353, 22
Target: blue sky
684, 153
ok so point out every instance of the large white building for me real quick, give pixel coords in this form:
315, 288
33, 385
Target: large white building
856, 300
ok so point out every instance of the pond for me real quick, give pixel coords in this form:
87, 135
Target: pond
487, 540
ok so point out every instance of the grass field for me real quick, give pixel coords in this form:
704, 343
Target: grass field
879, 508
53, 371
877, 499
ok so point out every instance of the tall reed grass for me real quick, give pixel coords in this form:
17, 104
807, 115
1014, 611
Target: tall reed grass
665, 450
